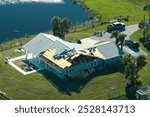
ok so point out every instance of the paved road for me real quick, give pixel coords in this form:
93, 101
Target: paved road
129, 31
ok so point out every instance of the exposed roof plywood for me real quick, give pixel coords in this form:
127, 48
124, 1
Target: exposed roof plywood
62, 63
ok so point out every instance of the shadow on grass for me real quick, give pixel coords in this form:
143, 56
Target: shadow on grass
76, 84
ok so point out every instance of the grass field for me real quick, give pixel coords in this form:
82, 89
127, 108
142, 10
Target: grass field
112, 8
108, 84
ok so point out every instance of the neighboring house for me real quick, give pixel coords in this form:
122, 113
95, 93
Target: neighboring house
66, 59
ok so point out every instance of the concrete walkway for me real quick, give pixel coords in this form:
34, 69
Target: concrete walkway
88, 42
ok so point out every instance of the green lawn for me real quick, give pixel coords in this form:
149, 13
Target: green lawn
112, 8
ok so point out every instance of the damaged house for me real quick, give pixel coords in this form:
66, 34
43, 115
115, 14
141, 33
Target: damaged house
66, 59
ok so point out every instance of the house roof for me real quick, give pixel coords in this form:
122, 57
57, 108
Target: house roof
59, 47
62, 63
109, 50
38, 44
68, 44
61, 53
43, 42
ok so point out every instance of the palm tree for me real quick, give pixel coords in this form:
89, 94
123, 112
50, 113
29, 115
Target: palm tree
131, 72
121, 39
115, 35
147, 8
130, 69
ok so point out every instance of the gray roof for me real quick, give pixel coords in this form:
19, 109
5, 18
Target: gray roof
38, 44
42, 43
59, 46
110, 50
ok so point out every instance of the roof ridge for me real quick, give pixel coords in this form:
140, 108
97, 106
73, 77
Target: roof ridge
104, 43
58, 39
43, 34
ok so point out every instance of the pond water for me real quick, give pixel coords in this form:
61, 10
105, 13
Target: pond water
21, 17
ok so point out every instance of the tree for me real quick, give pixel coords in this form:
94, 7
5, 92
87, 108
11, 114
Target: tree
115, 35
55, 21
141, 61
60, 27
130, 69
126, 59
145, 32
141, 24
147, 8
146, 37
64, 27
121, 39
132, 66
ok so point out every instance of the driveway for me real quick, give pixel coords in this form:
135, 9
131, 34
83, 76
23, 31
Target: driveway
129, 31
134, 52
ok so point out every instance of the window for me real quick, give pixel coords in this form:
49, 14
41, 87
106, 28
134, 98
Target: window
91, 64
94, 62
70, 70
67, 71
